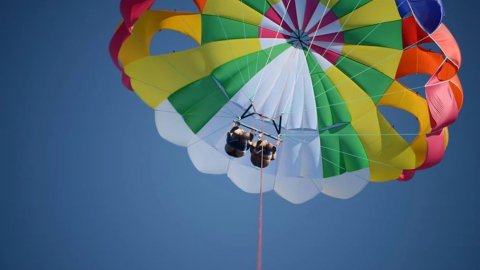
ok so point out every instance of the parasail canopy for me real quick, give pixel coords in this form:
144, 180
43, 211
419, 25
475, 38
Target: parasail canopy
320, 68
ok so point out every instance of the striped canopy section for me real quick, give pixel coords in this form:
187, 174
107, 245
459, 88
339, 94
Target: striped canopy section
324, 66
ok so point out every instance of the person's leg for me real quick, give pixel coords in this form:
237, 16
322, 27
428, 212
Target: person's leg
266, 162
256, 161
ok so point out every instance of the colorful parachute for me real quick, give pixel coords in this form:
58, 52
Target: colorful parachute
320, 69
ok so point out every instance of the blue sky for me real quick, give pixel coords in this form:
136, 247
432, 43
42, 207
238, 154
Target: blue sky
87, 183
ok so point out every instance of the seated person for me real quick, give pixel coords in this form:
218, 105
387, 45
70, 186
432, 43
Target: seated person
269, 152
238, 142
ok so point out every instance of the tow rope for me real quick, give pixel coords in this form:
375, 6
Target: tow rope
260, 218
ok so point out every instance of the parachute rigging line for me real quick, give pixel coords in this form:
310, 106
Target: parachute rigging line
247, 113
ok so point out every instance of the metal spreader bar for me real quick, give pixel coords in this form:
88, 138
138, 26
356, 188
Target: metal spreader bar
257, 130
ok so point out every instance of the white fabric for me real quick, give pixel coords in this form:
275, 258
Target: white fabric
300, 156
207, 159
296, 190
347, 185
300, 6
333, 27
247, 178
171, 126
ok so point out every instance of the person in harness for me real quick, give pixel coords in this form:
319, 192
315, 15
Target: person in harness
238, 141
263, 149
